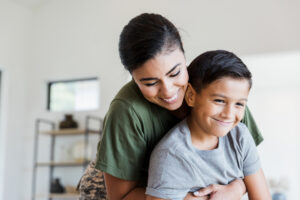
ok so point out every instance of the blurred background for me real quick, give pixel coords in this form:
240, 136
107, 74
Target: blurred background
45, 41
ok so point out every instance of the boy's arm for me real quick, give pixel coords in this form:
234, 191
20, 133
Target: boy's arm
257, 186
188, 197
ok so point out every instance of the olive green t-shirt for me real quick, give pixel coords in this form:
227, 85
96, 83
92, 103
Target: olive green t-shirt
131, 129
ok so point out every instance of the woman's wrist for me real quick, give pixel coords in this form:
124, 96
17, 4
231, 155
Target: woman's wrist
239, 186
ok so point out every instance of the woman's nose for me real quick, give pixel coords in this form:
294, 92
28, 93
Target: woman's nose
167, 88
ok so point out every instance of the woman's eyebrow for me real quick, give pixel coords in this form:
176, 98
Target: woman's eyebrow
173, 68
148, 79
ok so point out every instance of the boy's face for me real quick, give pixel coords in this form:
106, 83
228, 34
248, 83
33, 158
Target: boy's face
218, 107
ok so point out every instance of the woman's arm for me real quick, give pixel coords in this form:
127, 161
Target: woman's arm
118, 189
233, 191
257, 186
189, 196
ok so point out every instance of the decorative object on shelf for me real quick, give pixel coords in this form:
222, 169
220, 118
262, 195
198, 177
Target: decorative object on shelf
279, 196
76, 151
56, 186
71, 189
68, 122
46, 128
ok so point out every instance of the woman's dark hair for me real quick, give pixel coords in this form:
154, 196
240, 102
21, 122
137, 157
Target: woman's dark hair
214, 65
144, 37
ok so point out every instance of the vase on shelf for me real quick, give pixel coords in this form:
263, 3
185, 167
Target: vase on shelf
278, 196
68, 122
56, 186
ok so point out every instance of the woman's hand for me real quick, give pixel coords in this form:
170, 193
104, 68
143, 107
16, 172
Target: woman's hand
190, 196
233, 191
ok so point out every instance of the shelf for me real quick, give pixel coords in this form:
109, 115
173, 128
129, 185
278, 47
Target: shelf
46, 129
70, 131
61, 164
59, 195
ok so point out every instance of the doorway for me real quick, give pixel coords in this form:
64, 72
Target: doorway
1, 139
2, 143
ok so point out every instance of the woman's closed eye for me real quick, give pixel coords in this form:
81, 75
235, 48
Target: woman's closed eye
176, 74
150, 84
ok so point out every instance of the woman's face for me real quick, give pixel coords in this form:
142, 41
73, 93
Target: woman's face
163, 79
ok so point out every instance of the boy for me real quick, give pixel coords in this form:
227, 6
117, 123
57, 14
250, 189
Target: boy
210, 146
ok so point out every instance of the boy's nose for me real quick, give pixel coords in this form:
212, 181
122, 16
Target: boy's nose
227, 112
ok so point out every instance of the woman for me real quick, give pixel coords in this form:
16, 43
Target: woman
146, 108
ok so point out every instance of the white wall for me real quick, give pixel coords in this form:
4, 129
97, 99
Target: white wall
75, 38
15, 26
274, 100
2, 127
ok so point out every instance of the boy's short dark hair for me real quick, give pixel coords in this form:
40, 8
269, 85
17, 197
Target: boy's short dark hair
214, 65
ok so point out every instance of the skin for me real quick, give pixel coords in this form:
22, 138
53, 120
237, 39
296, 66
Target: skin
216, 110
163, 81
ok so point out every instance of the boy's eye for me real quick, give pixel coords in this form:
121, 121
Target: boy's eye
219, 101
240, 104
173, 75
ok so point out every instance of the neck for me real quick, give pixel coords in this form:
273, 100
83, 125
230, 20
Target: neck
182, 111
200, 139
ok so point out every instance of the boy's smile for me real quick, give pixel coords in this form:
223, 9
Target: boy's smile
217, 108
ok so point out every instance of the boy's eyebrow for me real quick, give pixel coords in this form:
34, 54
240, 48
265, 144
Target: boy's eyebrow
223, 96
153, 78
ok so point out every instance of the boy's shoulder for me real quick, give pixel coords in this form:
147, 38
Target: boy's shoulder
174, 139
240, 133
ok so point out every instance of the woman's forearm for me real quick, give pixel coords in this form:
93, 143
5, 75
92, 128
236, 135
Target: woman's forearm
233, 191
136, 194
119, 189
240, 187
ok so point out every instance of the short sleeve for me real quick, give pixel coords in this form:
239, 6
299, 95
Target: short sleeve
121, 151
166, 174
249, 121
251, 161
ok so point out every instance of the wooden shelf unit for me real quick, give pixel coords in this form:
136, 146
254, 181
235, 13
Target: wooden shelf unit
70, 131
61, 164
58, 196
52, 134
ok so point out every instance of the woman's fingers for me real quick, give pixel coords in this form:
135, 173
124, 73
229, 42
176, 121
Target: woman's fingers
192, 197
205, 191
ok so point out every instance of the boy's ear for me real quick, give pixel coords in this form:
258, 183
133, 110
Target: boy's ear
190, 95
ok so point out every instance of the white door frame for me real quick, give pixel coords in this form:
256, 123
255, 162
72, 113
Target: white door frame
3, 122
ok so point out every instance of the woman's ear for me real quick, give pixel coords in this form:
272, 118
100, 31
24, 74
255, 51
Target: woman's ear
190, 95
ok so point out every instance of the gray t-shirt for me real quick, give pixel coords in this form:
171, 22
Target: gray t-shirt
177, 167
